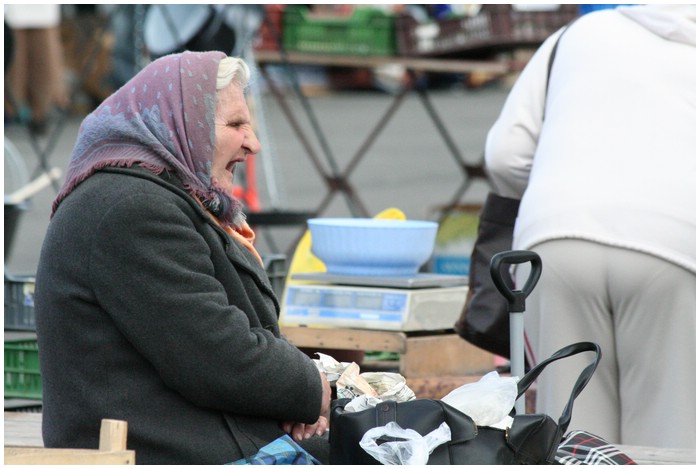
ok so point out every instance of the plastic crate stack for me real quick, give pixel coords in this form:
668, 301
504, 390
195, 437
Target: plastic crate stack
411, 32
22, 377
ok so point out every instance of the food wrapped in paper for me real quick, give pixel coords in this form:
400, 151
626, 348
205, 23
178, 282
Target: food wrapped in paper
389, 386
351, 384
366, 389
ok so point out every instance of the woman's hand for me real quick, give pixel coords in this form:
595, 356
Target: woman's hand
304, 431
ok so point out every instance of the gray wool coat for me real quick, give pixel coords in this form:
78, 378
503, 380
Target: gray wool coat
147, 311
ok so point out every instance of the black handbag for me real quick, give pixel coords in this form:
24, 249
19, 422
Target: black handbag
531, 439
484, 320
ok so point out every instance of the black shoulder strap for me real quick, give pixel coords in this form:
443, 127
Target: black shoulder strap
551, 57
551, 62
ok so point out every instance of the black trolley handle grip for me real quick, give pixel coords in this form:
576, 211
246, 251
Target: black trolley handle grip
515, 298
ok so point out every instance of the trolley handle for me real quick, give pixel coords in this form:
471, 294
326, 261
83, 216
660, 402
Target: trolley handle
515, 298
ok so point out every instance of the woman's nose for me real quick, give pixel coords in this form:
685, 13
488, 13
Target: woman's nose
252, 143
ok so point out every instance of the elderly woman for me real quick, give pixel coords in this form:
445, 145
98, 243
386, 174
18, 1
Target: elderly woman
152, 303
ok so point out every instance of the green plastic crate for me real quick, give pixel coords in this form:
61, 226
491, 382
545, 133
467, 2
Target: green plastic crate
22, 377
368, 31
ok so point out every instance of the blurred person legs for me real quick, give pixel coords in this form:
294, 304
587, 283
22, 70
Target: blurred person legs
35, 81
641, 311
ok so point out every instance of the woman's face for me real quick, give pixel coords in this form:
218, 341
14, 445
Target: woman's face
235, 139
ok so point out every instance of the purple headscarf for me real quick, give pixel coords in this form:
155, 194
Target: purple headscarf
162, 119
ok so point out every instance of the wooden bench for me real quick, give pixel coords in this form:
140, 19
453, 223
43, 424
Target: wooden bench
24, 444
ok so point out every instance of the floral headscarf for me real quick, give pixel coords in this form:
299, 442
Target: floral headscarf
162, 119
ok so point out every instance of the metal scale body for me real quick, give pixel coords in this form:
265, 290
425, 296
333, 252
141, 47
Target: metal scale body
424, 302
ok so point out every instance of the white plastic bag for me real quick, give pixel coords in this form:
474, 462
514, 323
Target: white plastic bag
361, 402
487, 401
413, 450
330, 366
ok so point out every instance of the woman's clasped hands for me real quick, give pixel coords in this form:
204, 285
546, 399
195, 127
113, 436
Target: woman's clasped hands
304, 431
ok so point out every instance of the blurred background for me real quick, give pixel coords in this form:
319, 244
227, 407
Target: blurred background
358, 107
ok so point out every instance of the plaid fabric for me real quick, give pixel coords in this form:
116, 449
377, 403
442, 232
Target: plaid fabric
281, 451
580, 447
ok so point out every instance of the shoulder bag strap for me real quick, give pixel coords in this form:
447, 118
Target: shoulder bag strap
550, 63
581, 382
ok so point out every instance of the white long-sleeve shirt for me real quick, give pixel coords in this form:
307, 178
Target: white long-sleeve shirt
614, 159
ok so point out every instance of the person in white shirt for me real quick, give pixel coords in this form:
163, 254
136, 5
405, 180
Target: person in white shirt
604, 160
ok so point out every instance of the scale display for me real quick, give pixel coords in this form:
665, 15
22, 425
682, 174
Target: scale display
373, 308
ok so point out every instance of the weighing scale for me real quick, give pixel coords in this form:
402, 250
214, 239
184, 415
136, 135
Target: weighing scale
423, 302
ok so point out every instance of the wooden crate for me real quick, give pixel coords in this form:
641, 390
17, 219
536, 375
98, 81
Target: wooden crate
421, 355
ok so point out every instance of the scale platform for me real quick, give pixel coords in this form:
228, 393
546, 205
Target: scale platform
424, 302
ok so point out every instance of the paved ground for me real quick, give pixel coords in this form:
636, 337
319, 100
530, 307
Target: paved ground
409, 166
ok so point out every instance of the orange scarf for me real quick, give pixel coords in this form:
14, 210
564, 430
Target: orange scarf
243, 235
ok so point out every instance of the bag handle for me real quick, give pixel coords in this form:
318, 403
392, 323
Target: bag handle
581, 382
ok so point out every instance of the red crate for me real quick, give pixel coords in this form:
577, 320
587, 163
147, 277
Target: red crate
495, 26
271, 29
